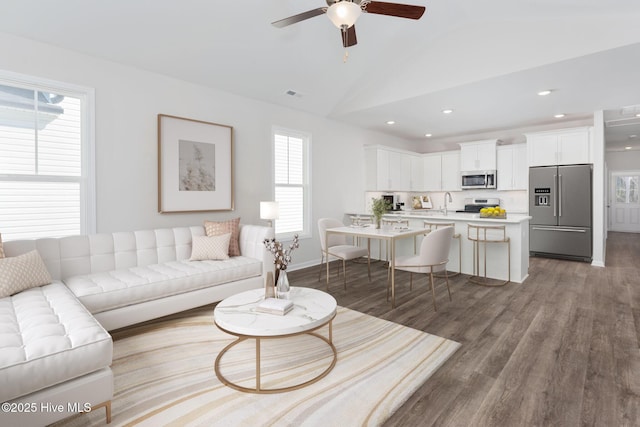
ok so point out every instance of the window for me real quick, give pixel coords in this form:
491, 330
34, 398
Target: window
627, 189
291, 178
46, 149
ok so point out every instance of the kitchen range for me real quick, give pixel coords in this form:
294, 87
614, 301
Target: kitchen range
560, 207
475, 205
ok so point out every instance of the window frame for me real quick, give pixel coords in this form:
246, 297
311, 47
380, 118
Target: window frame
87, 179
306, 185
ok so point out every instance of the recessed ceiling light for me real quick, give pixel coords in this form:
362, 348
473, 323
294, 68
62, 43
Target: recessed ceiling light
428, 135
633, 136
627, 148
638, 115
544, 92
391, 122
447, 111
559, 116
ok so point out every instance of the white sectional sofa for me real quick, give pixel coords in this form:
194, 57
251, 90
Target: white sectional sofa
55, 350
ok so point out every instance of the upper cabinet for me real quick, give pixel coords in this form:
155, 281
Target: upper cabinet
512, 170
417, 173
451, 171
388, 169
559, 147
442, 171
432, 172
478, 155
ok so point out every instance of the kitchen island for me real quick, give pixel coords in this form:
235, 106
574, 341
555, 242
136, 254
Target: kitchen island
517, 229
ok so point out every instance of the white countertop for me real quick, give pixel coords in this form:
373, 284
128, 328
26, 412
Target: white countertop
512, 218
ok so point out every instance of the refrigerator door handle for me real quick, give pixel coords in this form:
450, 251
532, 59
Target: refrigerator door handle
570, 230
559, 195
555, 195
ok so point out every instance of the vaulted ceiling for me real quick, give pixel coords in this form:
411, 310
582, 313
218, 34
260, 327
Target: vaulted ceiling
486, 60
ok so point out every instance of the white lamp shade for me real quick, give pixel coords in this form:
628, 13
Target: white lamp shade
344, 13
269, 210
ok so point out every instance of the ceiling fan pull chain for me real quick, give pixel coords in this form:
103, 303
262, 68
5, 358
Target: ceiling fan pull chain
345, 36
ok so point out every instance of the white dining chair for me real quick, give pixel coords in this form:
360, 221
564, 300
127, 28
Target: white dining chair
432, 258
339, 248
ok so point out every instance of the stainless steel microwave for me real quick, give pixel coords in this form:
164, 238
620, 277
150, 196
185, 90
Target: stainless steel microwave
478, 180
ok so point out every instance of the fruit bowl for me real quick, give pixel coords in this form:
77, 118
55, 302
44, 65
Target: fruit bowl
494, 216
495, 213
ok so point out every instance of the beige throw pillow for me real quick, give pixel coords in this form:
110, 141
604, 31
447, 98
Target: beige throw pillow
210, 248
216, 228
1, 248
22, 272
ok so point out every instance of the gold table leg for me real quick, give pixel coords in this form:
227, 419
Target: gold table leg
258, 389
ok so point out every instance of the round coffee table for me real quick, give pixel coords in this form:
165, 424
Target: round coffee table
237, 316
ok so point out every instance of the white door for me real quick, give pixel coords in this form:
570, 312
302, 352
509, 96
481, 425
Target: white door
624, 196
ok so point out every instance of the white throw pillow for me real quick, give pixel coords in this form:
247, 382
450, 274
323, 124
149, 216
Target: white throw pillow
210, 247
22, 272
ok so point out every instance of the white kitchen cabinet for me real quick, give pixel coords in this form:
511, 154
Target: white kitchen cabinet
512, 169
451, 171
389, 169
432, 172
399, 171
417, 173
442, 171
478, 155
377, 169
559, 147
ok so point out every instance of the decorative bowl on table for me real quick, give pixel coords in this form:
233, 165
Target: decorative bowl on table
494, 213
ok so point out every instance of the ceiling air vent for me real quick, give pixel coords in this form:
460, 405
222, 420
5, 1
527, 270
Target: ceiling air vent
623, 122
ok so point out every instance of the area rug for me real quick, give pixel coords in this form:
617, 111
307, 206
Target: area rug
164, 374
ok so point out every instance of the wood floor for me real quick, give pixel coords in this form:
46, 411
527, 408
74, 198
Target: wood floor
560, 349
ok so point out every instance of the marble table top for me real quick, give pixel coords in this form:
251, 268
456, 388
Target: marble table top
237, 314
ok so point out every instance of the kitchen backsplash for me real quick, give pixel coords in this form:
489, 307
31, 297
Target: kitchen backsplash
512, 201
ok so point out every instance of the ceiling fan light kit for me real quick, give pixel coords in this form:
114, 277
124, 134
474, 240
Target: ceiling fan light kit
344, 14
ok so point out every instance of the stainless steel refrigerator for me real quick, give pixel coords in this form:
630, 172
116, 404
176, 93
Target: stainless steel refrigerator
560, 207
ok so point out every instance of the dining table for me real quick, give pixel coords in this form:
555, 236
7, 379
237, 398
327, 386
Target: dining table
388, 233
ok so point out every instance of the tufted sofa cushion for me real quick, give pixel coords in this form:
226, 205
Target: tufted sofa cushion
47, 337
118, 288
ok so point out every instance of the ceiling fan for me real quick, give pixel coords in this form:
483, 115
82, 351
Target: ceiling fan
344, 13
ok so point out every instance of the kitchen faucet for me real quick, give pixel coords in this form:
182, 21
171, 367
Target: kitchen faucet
445, 201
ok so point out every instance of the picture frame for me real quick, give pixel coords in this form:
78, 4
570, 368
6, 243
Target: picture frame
195, 165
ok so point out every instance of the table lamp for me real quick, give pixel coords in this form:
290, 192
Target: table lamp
269, 211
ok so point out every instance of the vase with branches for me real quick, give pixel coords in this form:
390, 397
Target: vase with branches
379, 206
281, 259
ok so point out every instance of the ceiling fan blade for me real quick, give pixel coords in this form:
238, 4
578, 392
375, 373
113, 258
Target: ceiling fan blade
395, 9
349, 36
299, 17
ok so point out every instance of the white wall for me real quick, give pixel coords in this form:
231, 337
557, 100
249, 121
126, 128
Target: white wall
623, 160
127, 103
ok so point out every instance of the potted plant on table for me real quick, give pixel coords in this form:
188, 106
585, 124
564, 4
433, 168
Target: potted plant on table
379, 207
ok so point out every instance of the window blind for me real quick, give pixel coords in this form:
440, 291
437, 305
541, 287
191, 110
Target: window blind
290, 164
41, 167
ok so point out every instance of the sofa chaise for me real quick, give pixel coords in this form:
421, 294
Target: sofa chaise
55, 351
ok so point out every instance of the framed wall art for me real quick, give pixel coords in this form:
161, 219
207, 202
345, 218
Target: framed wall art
195, 165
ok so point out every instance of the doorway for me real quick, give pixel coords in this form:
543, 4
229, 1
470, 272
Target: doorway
624, 201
